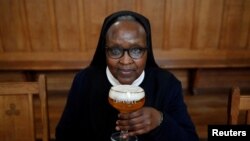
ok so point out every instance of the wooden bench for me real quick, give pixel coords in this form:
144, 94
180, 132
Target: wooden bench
194, 62
61, 67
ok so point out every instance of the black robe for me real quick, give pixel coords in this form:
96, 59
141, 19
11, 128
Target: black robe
88, 114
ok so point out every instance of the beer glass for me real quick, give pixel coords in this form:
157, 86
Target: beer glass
126, 98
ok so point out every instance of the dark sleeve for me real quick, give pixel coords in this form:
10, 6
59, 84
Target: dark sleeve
177, 124
69, 128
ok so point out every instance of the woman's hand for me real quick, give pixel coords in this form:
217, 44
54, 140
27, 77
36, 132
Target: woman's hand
139, 122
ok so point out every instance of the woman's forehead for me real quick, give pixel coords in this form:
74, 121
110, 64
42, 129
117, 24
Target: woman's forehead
126, 25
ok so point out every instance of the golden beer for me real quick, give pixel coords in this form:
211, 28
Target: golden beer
126, 98
124, 107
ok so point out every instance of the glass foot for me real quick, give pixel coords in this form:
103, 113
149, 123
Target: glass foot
118, 137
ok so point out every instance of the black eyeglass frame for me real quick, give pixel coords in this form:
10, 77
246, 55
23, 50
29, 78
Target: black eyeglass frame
129, 50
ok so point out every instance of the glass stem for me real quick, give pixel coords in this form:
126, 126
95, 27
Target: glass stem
124, 136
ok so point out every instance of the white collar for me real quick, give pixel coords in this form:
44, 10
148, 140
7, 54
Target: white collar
115, 82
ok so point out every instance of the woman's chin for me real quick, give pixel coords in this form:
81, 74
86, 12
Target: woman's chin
126, 81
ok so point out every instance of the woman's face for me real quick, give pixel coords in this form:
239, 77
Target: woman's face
126, 35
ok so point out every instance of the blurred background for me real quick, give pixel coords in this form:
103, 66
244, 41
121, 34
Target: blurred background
205, 43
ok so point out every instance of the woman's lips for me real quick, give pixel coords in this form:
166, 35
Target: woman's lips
126, 71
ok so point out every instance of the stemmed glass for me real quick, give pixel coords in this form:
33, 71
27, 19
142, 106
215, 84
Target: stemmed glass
126, 98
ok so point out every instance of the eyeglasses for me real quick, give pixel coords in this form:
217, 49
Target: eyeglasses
118, 52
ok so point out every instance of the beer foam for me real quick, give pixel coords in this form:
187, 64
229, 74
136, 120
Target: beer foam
126, 93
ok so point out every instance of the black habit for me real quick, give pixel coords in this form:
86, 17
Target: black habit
88, 115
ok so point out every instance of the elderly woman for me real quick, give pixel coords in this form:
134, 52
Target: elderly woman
124, 56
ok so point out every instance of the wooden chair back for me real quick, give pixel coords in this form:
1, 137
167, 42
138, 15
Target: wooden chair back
238, 103
18, 102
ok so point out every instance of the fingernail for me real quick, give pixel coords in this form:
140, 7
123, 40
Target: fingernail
117, 128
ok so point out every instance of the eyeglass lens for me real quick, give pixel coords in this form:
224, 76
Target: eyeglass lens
118, 52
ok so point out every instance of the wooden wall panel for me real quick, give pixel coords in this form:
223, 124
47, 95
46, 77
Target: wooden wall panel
123, 5
59, 37
39, 25
246, 20
67, 17
60, 81
1, 43
191, 28
235, 28
9, 76
153, 11
221, 80
208, 18
12, 26
94, 14
181, 24
82, 40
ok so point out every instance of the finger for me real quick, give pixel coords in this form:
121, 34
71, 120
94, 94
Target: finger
120, 128
130, 122
122, 125
122, 122
133, 124
123, 116
139, 132
146, 123
131, 114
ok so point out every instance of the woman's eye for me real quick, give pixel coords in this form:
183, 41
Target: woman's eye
116, 51
135, 51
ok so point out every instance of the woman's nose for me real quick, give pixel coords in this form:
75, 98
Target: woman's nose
126, 59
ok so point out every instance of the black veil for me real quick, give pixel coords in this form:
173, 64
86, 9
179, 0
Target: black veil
99, 59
